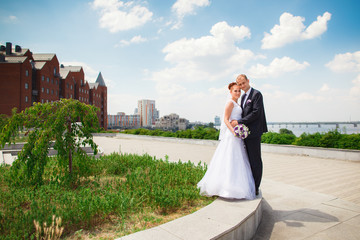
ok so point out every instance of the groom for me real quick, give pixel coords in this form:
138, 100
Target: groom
253, 116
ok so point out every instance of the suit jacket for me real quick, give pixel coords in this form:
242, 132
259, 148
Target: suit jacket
253, 114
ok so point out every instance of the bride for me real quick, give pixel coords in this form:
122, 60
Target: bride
229, 174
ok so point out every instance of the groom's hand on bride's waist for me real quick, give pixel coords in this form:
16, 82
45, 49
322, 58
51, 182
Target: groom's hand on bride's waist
234, 123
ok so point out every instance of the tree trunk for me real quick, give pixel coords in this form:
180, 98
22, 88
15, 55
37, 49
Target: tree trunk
69, 146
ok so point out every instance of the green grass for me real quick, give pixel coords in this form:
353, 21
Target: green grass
123, 194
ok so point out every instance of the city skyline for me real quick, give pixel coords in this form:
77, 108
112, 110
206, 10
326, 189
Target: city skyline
303, 55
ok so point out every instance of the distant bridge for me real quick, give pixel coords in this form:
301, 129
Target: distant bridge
337, 124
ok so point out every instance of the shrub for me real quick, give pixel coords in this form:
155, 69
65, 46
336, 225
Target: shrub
199, 132
349, 141
285, 131
278, 138
330, 139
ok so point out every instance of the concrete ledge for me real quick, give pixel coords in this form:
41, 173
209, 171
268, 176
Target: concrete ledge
223, 219
329, 153
160, 139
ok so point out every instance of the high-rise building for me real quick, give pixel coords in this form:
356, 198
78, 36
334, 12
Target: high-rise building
217, 121
26, 78
148, 113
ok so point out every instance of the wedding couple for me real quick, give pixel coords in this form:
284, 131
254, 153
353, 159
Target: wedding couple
235, 169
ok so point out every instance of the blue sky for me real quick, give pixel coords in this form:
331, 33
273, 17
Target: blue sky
304, 56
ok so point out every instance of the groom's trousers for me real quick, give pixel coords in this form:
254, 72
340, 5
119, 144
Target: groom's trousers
253, 147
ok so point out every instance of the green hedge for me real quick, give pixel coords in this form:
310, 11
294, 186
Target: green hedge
331, 139
197, 133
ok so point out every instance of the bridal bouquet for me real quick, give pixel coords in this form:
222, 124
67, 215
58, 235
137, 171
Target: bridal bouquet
241, 131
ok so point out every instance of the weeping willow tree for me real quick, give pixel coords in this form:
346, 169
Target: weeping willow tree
67, 125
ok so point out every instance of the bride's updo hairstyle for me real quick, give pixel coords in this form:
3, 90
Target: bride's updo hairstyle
231, 85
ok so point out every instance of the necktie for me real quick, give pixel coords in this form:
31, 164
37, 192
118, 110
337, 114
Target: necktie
242, 100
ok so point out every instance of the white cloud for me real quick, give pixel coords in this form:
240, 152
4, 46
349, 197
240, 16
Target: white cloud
303, 97
207, 58
134, 40
277, 67
221, 41
120, 16
347, 62
291, 29
186, 7
218, 91
12, 18
355, 90
324, 88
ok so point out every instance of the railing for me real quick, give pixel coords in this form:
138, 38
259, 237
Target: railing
337, 124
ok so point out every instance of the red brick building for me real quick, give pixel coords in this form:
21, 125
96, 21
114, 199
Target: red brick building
98, 98
47, 78
26, 78
15, 79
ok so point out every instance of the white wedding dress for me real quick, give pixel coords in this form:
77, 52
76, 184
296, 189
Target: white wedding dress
229, 173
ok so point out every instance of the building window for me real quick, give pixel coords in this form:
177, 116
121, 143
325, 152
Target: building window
26, 99
26, 86
47, 91
70, 95
42, 100
54, 71
42, 78
27, 73
70, 86
48, 79
42, 89
52, 81
52, 91
56, 82
67, 85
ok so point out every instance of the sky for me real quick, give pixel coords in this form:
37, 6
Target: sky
303, 55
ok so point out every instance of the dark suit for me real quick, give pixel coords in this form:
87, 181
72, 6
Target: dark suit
253, 116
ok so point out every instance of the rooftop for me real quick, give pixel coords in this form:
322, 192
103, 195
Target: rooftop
11, 59
71, 68
39, 65
43, 56
100, 80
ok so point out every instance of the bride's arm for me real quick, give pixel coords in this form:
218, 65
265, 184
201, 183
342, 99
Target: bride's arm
228, 109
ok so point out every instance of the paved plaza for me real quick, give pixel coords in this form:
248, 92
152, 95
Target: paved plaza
303, 197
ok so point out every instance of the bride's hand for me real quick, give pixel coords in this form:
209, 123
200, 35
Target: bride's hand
234, 123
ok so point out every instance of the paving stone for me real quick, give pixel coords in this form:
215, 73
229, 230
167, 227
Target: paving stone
331, 212
340, 231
